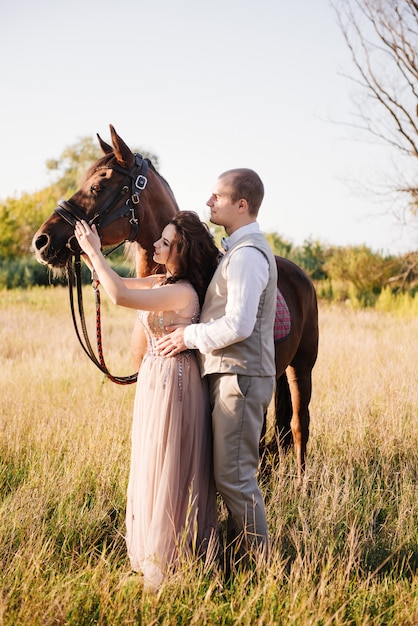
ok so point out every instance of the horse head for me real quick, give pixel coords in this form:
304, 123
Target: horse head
122, 194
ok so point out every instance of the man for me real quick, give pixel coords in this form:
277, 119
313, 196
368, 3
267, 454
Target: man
235, 340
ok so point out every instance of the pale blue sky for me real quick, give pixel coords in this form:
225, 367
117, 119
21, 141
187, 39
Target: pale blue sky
207, 86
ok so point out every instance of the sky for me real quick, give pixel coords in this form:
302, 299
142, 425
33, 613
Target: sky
206, 86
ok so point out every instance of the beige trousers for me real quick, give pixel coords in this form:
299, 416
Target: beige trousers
238, 406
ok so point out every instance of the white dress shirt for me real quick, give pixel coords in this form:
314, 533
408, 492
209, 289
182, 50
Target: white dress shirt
247, 277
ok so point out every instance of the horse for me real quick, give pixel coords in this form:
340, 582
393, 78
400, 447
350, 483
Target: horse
129, 201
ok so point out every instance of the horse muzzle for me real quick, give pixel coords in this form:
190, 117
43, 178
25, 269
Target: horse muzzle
47, 254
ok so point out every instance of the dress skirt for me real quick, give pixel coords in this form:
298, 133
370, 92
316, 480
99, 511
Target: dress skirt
171, 504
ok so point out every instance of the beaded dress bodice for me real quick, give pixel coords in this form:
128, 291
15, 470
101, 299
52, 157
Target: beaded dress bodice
156, 322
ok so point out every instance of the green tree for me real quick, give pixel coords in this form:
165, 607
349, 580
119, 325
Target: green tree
21, 217
280, 246
312, 257
367, 271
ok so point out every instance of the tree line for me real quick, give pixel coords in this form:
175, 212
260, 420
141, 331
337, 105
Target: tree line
339, 273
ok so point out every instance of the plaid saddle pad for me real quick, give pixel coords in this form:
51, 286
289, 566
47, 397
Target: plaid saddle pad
282, 323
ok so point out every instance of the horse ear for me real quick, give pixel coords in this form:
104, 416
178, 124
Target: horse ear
123, 154
104, 146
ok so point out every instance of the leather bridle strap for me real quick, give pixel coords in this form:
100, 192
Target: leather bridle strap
75, 276
72, 213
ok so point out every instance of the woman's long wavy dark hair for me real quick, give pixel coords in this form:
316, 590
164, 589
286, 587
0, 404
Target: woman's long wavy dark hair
198, 254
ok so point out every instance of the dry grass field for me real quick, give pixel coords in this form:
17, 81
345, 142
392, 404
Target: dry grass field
344, 549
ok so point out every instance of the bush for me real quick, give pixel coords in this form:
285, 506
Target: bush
26, 272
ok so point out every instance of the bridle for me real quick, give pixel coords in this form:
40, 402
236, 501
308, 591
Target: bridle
137, 176
72, 213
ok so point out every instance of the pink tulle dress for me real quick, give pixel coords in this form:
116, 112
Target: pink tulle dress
171, 504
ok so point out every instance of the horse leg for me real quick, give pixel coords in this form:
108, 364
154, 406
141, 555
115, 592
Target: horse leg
282, 437
300, 385
283, 409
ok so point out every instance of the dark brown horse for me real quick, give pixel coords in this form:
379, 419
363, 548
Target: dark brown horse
128, 200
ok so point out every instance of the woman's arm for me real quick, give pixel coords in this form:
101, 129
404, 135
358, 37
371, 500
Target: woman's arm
145, 282
165, 298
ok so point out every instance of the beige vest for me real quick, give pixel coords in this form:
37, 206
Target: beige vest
253, 356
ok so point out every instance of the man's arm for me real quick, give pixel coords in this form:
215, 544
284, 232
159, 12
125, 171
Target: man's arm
247, 277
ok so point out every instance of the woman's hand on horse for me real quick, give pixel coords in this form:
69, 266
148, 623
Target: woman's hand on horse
88, 238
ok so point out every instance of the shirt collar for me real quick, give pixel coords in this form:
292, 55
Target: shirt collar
253, 227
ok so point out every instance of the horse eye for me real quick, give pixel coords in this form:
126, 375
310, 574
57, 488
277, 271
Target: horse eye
95, 189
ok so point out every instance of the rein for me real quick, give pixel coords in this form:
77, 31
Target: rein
72, 214
74, 276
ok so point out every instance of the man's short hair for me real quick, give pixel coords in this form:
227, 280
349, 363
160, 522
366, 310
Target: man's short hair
248, 185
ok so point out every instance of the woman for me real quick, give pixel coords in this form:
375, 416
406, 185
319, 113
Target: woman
171, 501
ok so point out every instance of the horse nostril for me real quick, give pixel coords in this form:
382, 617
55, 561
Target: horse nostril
41, 242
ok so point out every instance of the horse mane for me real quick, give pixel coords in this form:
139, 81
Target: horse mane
151, 165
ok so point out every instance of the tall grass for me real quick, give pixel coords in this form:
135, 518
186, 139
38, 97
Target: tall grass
344, 549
